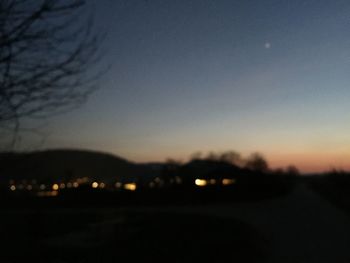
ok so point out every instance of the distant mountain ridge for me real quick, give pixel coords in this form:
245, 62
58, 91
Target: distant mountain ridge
69, 164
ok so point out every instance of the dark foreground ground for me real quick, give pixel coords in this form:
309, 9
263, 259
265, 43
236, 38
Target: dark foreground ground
305, 224
112, 235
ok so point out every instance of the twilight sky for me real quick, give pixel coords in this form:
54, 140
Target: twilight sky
198, 75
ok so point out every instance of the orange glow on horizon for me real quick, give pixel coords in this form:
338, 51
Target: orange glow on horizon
306, 160
311, 162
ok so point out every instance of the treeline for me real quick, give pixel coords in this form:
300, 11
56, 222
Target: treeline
334, 186
254, 162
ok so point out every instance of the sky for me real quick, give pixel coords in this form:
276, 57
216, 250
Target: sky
185, 76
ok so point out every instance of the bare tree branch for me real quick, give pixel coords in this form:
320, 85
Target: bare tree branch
46, 50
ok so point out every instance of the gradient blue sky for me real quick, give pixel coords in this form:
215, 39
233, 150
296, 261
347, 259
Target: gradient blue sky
187, 76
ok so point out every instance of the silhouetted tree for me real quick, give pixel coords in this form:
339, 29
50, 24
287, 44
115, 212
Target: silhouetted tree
278, 170
196, 156
212, 156
172, 162
231, 157
292, 170
257, 162
46, 49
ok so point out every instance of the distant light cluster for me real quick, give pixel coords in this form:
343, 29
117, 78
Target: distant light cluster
206, 182
53, 189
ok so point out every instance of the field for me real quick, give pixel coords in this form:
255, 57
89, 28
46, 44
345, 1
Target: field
300, 224
118, 235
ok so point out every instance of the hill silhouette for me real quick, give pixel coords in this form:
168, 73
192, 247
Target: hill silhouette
70, 164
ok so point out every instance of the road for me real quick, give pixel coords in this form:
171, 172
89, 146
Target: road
300, 227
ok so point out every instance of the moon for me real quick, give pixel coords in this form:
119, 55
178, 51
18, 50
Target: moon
267, 45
